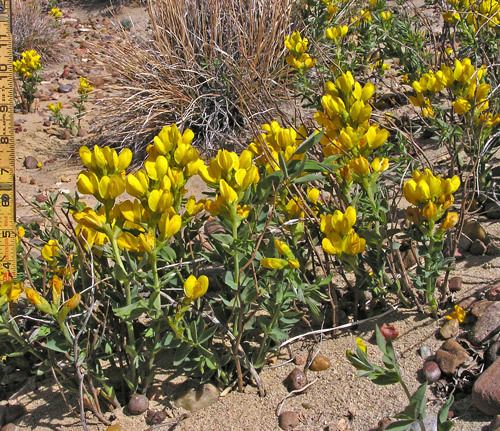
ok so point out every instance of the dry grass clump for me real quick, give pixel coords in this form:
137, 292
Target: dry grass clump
211, 65
33, 28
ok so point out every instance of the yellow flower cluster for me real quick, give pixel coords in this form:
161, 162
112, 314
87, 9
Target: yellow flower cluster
341, 237
477, 13
458, 314
337, 33
56, 12
345, 118
158, 188
27, 64
232, 175
55, 108
463, 80
297, 46
284, 250
85, 87
331, 6
276, 141
431, 196
10, 290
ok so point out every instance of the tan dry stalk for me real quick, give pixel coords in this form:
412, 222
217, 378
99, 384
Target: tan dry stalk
215, 66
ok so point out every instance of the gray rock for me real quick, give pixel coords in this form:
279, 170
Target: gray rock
491, 354
450, 356
288, 420
65, 88
194, 399
430, 424
492, 210
478, 248
449, 329
13, 412
486, 390
30, 162
480, 307
425, 352
10, 427
488, 324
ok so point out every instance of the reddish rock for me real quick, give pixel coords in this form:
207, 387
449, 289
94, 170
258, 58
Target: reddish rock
486, 390
493, 293
389, 331
488, 323
455, 284
296, 380
479, 307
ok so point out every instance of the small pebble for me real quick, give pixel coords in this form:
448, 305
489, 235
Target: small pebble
41, 198
138, 404
449, 329
432, 372
296, 380
455, 284
30, 162
64, 88
320, 363
288, 420
425, 352
155, 417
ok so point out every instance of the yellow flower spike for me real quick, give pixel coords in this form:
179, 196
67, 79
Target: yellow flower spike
361, 345
37, 300
273, 263
56, 12
195, 288
345, 82
376, 137
85, 87
458, 313
137, 184
169, 225
336, 33
57, 286
227, 193
450, 220
51, 251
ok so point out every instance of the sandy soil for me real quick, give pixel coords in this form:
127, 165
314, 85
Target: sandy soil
337, 399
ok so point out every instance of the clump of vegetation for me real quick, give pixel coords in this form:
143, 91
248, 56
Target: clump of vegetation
33, 28
28, 68
211, 66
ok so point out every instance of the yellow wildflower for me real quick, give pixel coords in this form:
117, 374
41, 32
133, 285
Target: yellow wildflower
195, 288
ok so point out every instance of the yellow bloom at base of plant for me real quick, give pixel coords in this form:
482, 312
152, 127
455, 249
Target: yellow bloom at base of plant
56, 12
461, 106
313, 195
195, 288
10, 291
37, 300
84, 87
51, 251
458, 313
361, 345
55, 108
28, 64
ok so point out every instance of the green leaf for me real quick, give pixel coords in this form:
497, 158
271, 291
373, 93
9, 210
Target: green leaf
400, 425
310, 141
283, 165
56, 344
308, 178
381, 342
132, 311
443, 423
